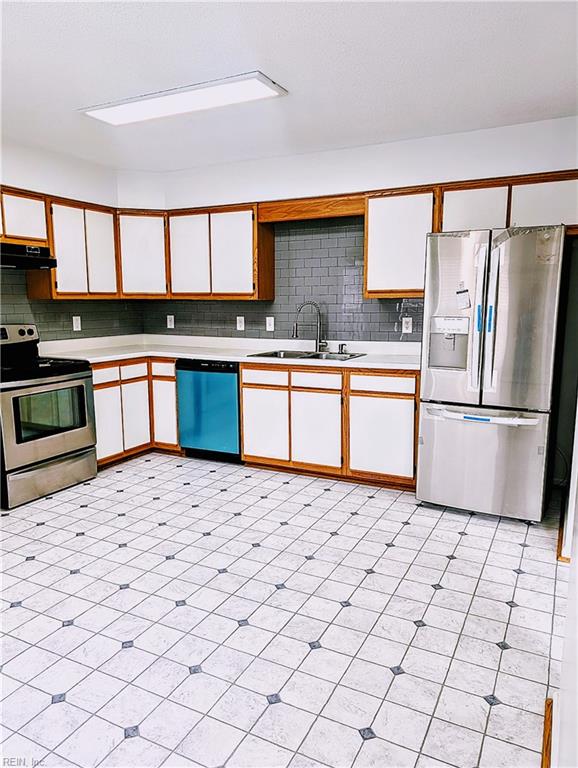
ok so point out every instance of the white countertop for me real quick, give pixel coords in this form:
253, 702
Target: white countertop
385, 355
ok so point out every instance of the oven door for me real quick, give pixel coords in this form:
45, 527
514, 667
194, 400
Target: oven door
46, 419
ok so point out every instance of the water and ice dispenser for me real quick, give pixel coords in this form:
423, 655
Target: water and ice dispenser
448, 342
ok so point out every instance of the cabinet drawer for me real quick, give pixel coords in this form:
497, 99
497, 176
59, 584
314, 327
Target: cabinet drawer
315, 380
403, 384
104, 375
134, 371
260, 376
163, 369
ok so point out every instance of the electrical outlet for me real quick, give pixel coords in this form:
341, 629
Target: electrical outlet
76, 323
240, 323
406, 325
170, 321
270, 324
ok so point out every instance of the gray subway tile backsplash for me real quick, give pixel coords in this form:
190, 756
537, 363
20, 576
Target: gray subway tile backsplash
320, 260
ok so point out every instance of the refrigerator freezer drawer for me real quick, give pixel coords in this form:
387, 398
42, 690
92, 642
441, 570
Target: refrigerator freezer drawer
482, 460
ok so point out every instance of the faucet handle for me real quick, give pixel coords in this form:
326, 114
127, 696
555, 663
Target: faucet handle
342, 349
322, 346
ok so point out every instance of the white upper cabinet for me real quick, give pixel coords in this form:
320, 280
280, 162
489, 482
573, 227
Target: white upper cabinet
100, 251
24, 217
554, 202
190, 254
475, 209
232, 252
142, 251
69, 249
396, 238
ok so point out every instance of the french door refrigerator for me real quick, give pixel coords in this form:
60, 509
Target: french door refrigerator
489, 333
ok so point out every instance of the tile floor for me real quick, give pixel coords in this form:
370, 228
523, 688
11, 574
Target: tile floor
178, 612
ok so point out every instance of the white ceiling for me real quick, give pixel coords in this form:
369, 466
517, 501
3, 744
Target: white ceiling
357, 73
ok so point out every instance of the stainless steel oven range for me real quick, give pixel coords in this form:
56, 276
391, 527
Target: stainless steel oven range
48, 433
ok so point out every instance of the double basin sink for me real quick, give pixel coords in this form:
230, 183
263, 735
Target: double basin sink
284, 354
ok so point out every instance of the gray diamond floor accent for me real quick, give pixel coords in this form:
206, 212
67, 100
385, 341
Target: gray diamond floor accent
273, 698
58, 698
171, 656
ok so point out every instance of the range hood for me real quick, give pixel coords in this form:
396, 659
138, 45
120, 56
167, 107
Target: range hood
21, 256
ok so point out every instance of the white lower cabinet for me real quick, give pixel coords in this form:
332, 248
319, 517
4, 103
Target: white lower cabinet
316, 428
165, 412
381, 435
108, 414
266, 423
135, 414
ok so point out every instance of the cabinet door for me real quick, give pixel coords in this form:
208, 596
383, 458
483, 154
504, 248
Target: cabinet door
316, 428
381, 435
190, 254
100, 251
142, 250
266, 423
135, 414
69, 249
108, 413
232, 252
396, 238
475, 209
554, 202
165, 412
24, 217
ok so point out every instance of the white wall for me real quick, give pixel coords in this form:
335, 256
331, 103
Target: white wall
137, 189
545, 146
57, 174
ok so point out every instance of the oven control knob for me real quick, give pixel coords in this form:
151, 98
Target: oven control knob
21, 332
30, 331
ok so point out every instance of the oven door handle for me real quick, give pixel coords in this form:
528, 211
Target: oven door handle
7, 386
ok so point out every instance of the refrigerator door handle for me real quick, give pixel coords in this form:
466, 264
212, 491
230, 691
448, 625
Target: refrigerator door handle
505, 421
479, 319
491, 317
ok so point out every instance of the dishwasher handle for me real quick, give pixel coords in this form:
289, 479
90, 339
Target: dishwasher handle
505, 421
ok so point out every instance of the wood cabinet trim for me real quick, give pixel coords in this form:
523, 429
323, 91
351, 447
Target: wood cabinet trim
390, 395
311, 208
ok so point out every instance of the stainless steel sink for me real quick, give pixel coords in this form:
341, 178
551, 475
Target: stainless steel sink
334, 355
283, 353
293, 354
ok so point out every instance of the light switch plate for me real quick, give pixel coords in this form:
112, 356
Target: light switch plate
170, 321
406, 325
270, 323
76, 323
240, 323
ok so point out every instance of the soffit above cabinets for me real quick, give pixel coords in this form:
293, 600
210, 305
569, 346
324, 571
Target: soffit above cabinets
356, 73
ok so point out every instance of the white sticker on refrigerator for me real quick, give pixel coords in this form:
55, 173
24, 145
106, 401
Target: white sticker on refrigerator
463, 299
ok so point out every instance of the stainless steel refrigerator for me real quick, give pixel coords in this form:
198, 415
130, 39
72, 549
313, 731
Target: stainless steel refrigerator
489, 333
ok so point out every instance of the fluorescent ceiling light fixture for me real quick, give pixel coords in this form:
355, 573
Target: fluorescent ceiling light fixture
251, 86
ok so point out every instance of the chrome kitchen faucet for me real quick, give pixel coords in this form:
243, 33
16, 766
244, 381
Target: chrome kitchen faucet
319, 343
